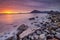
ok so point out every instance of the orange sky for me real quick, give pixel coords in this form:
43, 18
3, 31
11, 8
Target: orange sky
24, 6
12, 11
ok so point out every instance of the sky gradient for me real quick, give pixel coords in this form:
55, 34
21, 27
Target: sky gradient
28, 5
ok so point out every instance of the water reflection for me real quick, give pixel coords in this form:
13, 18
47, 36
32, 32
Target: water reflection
6, 18
15, 19
9, 18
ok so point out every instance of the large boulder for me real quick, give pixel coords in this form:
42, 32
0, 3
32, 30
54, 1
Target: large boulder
20, 29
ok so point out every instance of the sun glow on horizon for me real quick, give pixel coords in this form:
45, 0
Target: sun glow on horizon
9, 11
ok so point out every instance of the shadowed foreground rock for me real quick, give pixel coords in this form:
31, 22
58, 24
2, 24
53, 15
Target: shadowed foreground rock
20, 29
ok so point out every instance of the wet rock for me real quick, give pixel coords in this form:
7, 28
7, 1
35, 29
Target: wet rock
42, 37
35, 22
11, 38
57, 35
41, 23
50, 36
45, 25
1, 36
25, 38
58, 30
55, 39
36, 16
47, 31
31, 23
49, 17
53, 32
59, 20
20, 29
37, 25
32, 18
36, 36
15, 26
31, 37
53, 27
38, 32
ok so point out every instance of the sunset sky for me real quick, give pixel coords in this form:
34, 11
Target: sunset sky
23, 6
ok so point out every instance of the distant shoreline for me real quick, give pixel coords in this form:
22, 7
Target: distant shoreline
26, 13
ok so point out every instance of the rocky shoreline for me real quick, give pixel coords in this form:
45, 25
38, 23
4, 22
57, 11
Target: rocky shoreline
45, 30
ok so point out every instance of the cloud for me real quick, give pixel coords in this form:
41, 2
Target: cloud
30, 4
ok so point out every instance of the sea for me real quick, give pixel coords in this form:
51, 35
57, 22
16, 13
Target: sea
9, 22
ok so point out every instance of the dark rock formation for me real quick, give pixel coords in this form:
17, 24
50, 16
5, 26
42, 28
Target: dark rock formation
32, 18
35, 11
22, 28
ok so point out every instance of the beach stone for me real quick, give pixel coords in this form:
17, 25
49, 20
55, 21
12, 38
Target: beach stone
54, 39
41, 22
29, 36
54, 27
38, 32
57, 35
35, 36
42, 37
47, 31
25, 38
37, 25
36, 16
58, 30
50, 36
35, 22
53, 32
32, 37
11, 38
32, 18
20, 29
49, 17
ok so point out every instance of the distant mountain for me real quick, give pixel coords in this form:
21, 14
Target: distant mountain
37, 11
49, 12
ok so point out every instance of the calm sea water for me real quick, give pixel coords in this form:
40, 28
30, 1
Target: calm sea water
8, 22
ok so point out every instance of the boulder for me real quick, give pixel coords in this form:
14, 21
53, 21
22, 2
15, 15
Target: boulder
57, 35
20, 29
58, 30
42, 37
38, 32
32, 18
50, 36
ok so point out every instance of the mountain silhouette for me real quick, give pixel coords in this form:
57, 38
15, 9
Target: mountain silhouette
35, 11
